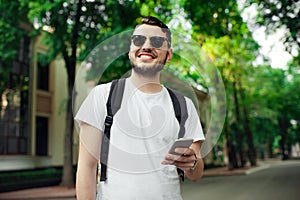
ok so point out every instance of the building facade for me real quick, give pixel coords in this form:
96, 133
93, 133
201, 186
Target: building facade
32, 117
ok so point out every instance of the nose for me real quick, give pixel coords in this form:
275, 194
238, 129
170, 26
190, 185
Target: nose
147, 44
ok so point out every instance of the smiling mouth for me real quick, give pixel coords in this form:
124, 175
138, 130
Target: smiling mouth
143, 56
146, 56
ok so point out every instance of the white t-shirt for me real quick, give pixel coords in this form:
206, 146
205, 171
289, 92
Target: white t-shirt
142, 132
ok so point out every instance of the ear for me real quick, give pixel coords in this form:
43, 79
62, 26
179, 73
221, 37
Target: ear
169, 55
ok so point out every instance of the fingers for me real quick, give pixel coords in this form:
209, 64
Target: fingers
185, 151
184, 158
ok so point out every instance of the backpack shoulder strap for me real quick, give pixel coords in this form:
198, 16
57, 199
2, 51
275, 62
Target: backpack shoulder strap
180, 109
113, 104
116, 96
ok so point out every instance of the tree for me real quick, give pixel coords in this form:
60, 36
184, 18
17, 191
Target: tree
276, 107
75, 27
280, 14
219, 28
12, 29
274, 15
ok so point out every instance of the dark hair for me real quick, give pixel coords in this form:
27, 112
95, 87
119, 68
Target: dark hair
153, 21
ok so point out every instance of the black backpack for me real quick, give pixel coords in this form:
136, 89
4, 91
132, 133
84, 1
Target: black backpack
113, 104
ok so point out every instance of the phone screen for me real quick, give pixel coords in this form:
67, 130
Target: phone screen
183, 143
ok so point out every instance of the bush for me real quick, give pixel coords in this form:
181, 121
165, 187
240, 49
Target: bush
15, 180
212, 165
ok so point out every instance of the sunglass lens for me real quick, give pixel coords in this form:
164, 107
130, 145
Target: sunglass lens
157, 42
138, 40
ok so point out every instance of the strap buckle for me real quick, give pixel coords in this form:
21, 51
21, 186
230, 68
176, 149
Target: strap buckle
108, 120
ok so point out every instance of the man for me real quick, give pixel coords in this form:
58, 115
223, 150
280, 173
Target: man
139, 165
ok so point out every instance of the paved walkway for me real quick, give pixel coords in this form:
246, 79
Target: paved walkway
62, 193
54, 192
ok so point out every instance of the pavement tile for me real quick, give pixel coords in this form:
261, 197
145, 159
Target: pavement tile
55, 192
224, 171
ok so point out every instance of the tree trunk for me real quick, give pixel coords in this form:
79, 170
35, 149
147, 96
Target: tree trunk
269, 147
238, 123
283, 127
233, 164
247, 129
67, 178
251, 148
231, 152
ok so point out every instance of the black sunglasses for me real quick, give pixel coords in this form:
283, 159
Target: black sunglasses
156, 41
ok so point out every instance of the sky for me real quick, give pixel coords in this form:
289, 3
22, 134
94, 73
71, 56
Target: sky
271, 46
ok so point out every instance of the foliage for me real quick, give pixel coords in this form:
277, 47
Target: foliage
11, 20
277, 98
74, 29
215, 18
10, 32
31, 178
280, 14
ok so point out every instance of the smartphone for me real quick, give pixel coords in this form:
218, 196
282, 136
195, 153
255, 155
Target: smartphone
182, 142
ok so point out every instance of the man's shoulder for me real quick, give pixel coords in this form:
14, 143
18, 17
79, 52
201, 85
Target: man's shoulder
188, 101
177, 93
101, 89
103, 86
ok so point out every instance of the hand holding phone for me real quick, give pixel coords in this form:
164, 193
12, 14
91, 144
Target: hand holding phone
181, 160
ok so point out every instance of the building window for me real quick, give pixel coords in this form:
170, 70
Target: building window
41, 142
43, 76
14, 105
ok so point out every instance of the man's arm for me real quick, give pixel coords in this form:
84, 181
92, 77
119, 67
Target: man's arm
196, 173
185, 161
89, 151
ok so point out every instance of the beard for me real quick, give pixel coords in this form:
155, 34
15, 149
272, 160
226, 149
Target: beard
148, 71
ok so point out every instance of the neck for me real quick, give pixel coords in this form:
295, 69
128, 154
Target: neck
146, 84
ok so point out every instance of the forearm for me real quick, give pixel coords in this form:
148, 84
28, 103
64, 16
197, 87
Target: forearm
86, 183
197, 173
184, 158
